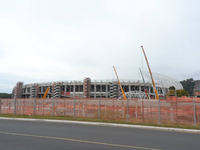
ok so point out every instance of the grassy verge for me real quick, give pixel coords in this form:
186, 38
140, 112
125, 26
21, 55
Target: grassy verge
101, 120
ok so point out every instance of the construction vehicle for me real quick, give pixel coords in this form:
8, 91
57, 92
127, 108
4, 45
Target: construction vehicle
124, 95
154, 86
46, 92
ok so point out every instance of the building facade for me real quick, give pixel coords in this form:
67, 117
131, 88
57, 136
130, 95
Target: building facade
87, 89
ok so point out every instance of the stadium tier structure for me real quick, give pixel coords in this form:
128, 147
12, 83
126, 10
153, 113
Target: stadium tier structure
88, 88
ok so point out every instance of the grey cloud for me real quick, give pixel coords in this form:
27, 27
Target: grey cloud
89, 37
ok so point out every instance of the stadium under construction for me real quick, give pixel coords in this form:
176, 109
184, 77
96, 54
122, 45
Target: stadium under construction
88, 88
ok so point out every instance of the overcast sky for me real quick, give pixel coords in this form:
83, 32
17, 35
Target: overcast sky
54, 40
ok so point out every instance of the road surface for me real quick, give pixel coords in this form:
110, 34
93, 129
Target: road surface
37, 135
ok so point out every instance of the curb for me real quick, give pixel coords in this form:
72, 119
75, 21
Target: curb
106, 124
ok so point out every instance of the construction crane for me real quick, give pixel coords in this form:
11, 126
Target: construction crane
145, 90
154, 86
45, 94
124, 95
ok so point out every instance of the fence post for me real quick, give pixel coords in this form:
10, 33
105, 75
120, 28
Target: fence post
15, 106
34, 106
64, 107
99, 109
42, 107
159, 111
171, 114
142, 110
194, 111
0, 106
176, 111
127, 109
123, 108
136, 115
74, 107
86, 107
53, 105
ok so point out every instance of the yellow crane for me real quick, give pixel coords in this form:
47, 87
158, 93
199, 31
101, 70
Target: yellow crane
124, 95
45, 94
154, 86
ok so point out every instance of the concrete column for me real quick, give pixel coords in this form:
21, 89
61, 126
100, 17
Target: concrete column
79, 90
65, 89
129, 87
41, 89
106, 90
70, 88
140, 91
74, 90
95, 90
149, 92
101, 93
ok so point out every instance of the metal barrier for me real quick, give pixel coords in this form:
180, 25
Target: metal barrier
132, 110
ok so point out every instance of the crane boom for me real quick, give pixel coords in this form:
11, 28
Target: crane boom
124, 95
45, 94
142, 75
145, 90
154, 86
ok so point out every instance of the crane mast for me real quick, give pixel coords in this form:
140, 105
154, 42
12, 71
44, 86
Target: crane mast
124, 95
46, 92
145, 90
154, 86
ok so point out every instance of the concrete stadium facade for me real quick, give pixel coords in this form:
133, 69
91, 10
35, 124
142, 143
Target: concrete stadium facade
87, 88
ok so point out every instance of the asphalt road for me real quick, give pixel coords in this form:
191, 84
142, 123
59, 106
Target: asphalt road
26, 135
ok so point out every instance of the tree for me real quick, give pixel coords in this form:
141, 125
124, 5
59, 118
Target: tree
180, 93
5, 95
172, 90
188, 85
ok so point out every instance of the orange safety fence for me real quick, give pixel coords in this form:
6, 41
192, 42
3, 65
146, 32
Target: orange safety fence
132, 110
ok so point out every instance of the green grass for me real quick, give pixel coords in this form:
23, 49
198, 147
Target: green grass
102, 120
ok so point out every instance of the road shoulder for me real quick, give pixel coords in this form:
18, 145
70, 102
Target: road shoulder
105, 124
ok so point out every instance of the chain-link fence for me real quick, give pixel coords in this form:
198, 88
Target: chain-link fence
132, 110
